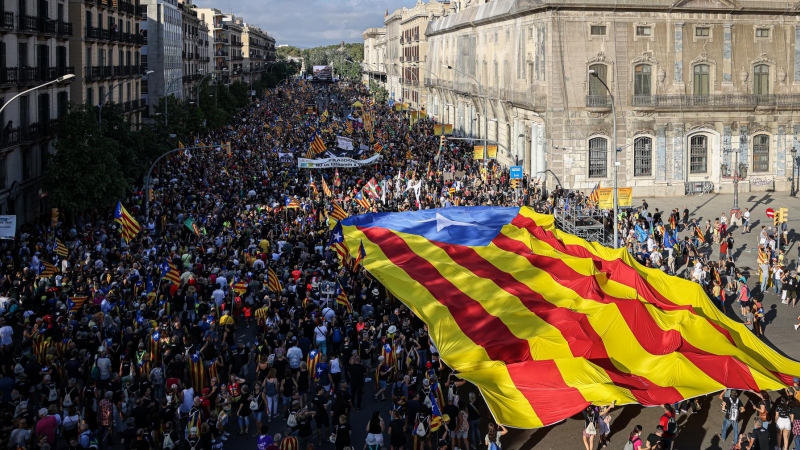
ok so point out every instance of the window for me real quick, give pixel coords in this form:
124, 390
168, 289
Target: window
643, 157
2, 172
761, 153
27, 163
598, 30
598, 157
761, 79
642, 79
762, 32
644, 31
701, 79
702, 31
698, 156
596, 83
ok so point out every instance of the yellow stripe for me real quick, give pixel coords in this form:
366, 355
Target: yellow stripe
694, 328
462, 354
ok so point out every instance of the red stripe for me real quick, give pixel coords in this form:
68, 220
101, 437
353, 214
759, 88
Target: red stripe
484, 329
542, 380
616, 270
724, 369
574, 326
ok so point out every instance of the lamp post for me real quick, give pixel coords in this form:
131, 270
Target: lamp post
103, 100
57, 80
616, 188
197, 89
485, 109
794, 172
418, 66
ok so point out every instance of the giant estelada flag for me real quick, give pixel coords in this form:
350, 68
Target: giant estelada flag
545, 323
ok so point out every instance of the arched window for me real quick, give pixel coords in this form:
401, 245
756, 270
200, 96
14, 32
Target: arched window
643, 157
698, 154
598, 157
701, 79
761, 79
761, 153
642, 79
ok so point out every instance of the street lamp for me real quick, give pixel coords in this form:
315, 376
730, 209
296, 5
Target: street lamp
418, 66
485, 108
197, 89
57, 80
794, 171
616, 164
103, 100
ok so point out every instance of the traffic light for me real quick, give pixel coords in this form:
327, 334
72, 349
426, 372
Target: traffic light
54, 217
777, 218
442, 141
784, 212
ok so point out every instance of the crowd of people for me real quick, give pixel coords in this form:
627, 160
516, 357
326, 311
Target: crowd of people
180, 336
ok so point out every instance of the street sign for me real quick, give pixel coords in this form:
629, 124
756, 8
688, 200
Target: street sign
770, 213
516, 172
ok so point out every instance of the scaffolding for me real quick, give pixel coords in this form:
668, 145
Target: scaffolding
586, 223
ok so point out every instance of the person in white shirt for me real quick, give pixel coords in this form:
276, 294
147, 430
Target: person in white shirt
294, 355
746, 221
6, 334
219, 296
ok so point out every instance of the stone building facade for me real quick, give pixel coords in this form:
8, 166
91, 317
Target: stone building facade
374, 65
703, 89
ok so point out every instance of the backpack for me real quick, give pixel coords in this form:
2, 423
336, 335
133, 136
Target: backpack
254, 404
493, 446
168, 442
52, 395
68, 398
271, 391
337, 335
95, 373
291, 421
629, 444
672, 425
420, 430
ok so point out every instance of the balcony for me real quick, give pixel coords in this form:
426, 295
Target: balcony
598, 101
416, 38
126, 107
237, 58
221, 53
28, 75
29, 23
47, 26
30, 132
9, 76
197, 56
716, 101
402, 41
10, 139
54, 72
8, 21
127, 7
63, 28
92, 33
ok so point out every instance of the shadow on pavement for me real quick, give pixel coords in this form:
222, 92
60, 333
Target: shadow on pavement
536, 437
692, 428
621, 426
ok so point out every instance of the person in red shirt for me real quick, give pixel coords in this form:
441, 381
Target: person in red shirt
46, 426
669, 422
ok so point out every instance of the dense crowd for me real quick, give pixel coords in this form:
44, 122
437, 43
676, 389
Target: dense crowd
177, 338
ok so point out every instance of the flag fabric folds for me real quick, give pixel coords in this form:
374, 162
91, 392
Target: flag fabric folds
291, 203
529, 313
48, 270
342, 300
75, 303
273, 283
594, 196
60, 249
170, 273
338, 212
325, 189
130, 227
362, 201
316, 147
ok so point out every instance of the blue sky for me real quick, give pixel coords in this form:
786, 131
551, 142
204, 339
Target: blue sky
309, 23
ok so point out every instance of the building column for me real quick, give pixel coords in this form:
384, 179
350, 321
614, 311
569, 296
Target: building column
727, 53
677, 78
534, 159
727, 148
677, 153
797, 54
780, 160
661, 153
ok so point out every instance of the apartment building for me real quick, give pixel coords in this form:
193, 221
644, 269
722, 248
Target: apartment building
704, 97
220, 58
105, 49
35, 50
259, 49
162, 24
233, 27
374, 65
195, 54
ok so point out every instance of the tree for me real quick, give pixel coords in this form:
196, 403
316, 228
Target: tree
378, 91
86, 171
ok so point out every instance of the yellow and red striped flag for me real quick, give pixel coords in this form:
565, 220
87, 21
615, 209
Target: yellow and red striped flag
170, 273
273, 284
525, 311
325, 189
75, 303
594, 196
701, 236
338, 212
48, 271
60, 249
130, 227
342, 300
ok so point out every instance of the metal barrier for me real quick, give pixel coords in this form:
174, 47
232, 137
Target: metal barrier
698, 187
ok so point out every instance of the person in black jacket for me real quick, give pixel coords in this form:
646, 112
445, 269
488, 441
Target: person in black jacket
357, 373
